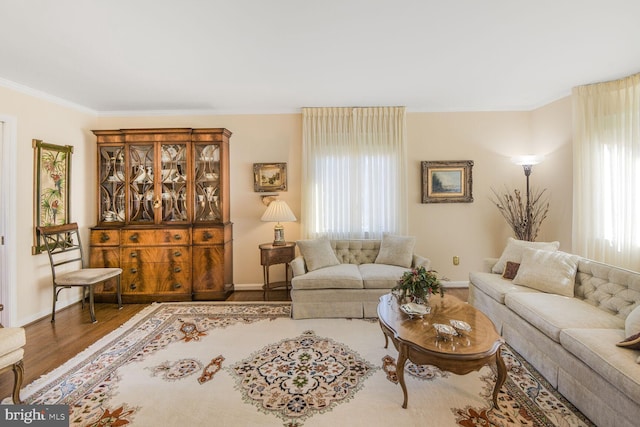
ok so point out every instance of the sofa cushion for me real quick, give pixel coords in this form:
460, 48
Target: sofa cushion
341, 276
551, 313
380, 276
356, 251
495, 285
547, 271
513, 252
317, 253
596, 348
396, 250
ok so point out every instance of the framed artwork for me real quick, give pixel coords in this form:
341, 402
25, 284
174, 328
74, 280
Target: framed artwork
269, 177
52, 169
447, 181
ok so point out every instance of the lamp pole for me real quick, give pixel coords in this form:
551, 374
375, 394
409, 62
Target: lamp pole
527, 172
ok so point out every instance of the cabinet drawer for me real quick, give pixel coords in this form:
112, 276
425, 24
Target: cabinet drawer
156, 255
208, 236
105, 237
156, 278
156, 237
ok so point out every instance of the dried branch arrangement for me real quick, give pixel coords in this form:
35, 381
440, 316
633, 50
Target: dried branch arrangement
514, 209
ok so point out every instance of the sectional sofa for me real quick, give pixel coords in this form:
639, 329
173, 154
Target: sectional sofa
575, 320
345, 278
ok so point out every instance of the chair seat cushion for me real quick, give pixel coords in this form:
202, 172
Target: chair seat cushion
11, 339
9, 359
87, 276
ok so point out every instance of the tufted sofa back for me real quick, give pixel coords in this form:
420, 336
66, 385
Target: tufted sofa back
356, 251
612, 289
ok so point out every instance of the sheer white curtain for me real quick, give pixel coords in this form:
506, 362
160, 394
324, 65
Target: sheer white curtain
606, 187
354, 183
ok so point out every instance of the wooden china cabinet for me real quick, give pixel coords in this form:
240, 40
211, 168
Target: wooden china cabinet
163, 214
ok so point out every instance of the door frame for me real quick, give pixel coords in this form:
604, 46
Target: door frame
8, 212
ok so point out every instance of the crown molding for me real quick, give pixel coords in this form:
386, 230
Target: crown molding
45, 96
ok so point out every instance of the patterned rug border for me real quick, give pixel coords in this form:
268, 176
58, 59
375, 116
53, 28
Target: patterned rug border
133, 322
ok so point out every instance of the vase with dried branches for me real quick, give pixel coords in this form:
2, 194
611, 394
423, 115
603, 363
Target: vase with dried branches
524, 216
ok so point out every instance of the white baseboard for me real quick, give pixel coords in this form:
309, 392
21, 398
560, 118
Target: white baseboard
454, 284
248, 286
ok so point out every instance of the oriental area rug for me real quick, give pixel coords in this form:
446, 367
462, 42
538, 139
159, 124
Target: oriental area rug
250, 364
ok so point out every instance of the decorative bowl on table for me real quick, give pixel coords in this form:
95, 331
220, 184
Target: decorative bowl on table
413, 309
443, 331
460, 326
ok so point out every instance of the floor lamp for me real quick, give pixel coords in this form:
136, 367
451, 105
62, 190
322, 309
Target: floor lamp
527, 163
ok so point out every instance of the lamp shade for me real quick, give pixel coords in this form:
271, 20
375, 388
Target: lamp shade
278, 211
527, 160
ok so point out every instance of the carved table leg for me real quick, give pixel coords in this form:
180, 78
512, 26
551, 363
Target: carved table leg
402, 359
502, 376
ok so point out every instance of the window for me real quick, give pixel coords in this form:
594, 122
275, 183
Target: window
354, 174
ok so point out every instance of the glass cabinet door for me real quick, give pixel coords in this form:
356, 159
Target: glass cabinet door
174, 178
142, 201
112, 184
207, 183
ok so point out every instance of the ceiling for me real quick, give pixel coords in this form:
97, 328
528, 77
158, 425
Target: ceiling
274, 56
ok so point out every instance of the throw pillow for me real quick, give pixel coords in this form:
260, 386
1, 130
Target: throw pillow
511, 270
317, 253
548, 271
632, 330
396, 250
513, 251
633, 342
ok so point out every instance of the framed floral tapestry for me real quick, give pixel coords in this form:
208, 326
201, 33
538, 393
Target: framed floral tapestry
52, 169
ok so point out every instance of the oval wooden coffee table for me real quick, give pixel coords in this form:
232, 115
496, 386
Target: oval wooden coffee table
416, 339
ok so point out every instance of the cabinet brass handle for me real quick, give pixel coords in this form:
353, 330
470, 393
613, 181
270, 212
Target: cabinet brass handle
177, 236
177, 270
134, 270
132, 286
104, 237
134, 237
207, 235
134, 254
177, 253
177, 286
156, 203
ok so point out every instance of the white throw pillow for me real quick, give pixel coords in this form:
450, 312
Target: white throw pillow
317, 253
548, 271
513, 252
396, 250
632, 322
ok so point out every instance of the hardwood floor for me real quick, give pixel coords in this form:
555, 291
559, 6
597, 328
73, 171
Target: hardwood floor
49, 345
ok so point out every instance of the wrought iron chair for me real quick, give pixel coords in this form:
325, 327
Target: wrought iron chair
11, 352
65, 251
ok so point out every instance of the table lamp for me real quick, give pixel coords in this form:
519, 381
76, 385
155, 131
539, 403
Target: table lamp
278, 211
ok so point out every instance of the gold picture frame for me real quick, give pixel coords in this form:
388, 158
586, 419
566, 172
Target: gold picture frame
52, 170
269, 177
447, 181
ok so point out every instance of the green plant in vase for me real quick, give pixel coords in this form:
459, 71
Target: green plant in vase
418, 284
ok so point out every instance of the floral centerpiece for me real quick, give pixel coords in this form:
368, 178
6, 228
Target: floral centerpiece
418, 283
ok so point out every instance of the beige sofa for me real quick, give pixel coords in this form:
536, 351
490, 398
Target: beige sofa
352, 285
571, 340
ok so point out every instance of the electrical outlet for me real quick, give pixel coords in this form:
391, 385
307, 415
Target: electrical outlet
456, 260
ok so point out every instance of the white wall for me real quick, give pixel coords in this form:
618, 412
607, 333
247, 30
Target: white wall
471, 231
40, 119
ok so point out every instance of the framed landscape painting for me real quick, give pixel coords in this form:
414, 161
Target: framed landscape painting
447, 181
269, 177
52, 169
